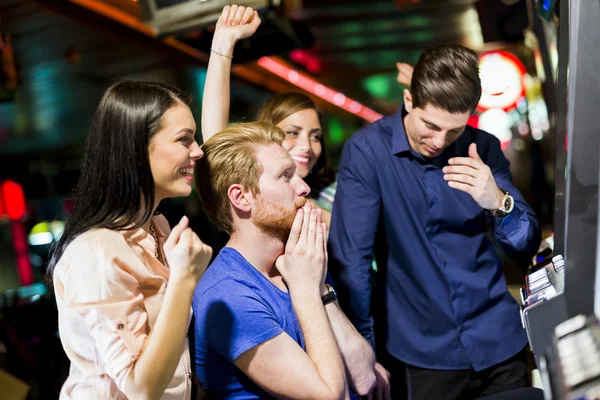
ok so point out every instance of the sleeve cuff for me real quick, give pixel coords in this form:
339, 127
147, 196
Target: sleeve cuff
243, 347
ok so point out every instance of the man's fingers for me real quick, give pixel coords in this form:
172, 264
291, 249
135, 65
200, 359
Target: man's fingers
379, 389
305, 224
463, 187
465, 161
296, 228
473, 152
387, 393
461, 169
319, 237
466, 179
312, 229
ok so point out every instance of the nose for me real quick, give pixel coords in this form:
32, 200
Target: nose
302, 189
303, 142
196, 152
438, 141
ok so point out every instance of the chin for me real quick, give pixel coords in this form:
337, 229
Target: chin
302, 172
181, 192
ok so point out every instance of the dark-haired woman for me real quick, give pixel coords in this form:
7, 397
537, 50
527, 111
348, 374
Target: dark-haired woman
123, 281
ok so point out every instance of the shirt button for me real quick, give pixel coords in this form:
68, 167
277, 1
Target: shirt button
120, 326
433, 200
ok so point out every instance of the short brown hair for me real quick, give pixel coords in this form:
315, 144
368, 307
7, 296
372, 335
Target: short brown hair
281, 106
447, 77
230, 158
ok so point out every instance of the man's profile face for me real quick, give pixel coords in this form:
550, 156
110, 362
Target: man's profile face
282, 192
430, 130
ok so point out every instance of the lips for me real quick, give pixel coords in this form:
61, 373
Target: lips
432, 150
302, 159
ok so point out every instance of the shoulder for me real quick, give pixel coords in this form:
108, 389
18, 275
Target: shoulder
488, 145
373, 132
485, 141
162, 224
94, 247
225, 282
96, 264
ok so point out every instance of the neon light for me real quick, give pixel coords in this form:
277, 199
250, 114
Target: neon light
14, 201
1, 206
40, 239
502, 75
496, 122
319, 90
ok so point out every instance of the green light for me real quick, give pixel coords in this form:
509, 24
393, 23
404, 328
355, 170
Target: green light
336, 132
199, 77
355, 41
351, 27
378, 85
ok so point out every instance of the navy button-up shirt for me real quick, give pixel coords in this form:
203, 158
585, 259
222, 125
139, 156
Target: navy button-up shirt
446, 300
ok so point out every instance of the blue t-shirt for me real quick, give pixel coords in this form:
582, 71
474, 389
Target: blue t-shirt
235, 309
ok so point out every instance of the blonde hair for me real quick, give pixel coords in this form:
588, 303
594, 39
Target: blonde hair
230, 158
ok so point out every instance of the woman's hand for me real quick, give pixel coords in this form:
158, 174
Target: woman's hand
187, 256
235, 23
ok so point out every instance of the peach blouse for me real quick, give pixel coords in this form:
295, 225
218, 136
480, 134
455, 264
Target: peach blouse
109, 291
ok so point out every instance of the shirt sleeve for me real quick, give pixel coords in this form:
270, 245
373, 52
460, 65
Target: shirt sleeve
352, 234
518, 234
98, 286
236, 324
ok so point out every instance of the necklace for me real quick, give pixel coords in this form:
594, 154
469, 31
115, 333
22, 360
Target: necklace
153, 233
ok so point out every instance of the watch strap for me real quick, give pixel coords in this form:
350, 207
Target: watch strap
330, 296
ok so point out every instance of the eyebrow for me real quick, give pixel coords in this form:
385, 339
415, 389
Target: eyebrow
286, 167
437, 127
311, 131
185, 130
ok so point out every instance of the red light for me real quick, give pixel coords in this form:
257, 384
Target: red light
502, 76
473, 121
318, 89
310, 62
14, 200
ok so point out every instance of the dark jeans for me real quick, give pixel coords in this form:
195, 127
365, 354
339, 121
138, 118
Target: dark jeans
413, 383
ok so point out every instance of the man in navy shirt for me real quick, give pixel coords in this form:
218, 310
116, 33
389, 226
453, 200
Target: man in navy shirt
266, 324
430, 185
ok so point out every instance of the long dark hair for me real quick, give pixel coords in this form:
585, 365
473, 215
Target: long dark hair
116, 187
281, 106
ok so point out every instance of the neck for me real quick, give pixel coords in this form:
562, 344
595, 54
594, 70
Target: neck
258, 248
146, 225
407, 129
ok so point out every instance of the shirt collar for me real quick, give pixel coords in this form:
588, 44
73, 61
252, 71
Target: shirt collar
399, 139
139, 234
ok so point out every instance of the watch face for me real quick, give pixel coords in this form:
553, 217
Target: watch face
508, 203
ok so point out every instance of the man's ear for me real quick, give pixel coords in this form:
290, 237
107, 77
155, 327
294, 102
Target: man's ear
408, 104
239, 197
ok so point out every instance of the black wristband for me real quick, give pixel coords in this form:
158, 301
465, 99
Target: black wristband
330, 296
